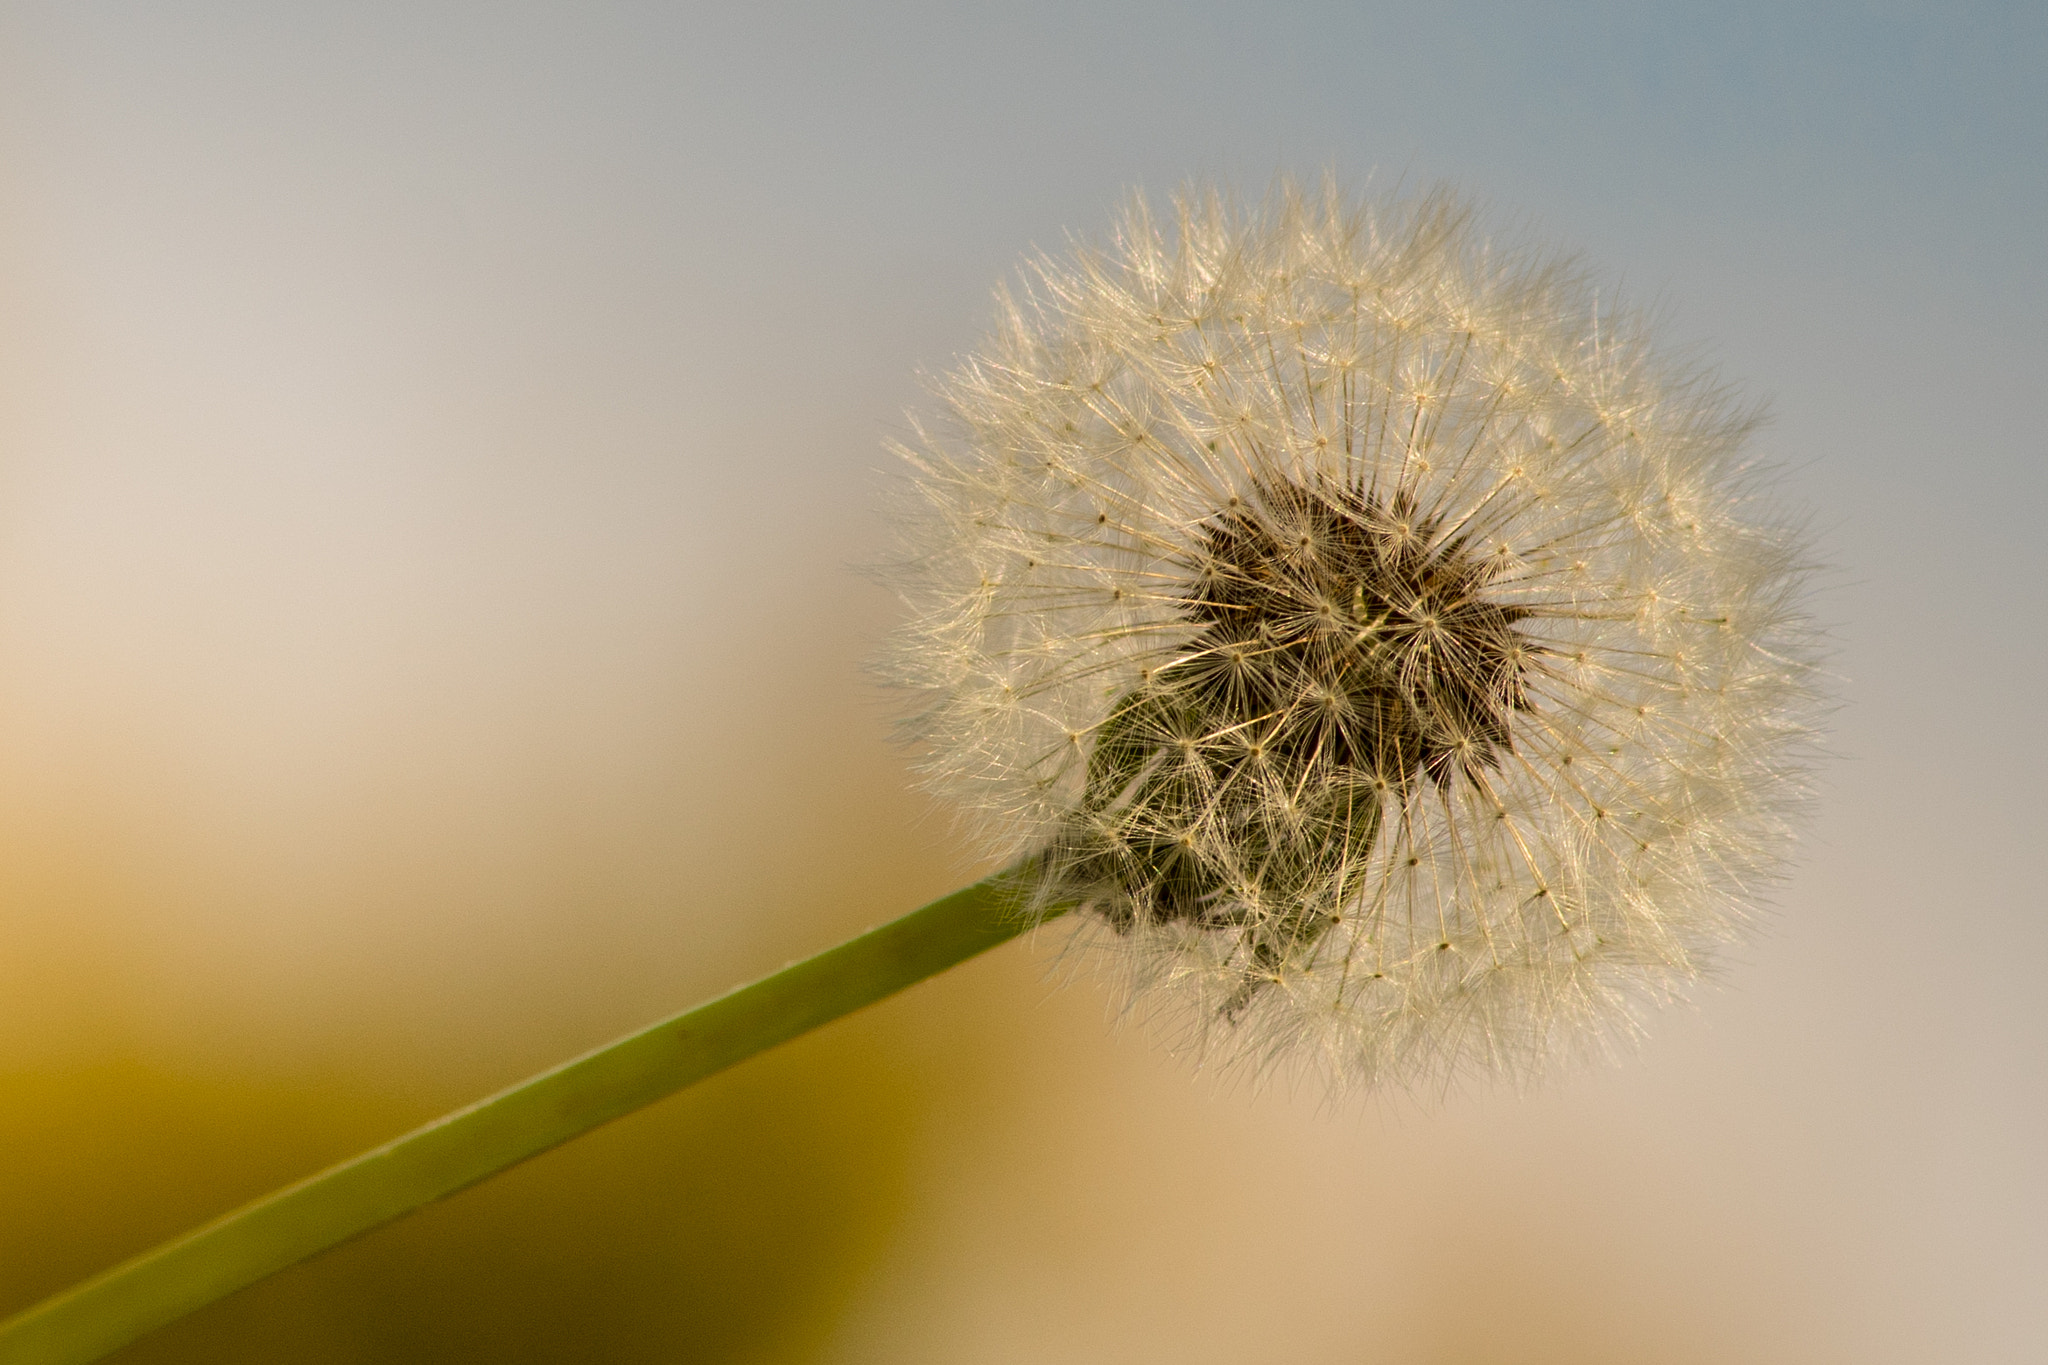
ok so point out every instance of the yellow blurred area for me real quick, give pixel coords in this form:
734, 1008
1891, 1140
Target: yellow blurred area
729, 1226
193, 1012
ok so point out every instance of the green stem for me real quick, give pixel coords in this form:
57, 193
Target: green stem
472, 1144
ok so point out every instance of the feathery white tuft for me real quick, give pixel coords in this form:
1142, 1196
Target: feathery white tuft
1400, 666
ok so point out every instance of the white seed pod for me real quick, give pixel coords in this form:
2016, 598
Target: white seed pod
1395, 663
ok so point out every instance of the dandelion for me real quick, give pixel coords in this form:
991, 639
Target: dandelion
1397, 662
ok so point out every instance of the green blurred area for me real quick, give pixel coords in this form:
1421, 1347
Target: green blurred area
729, 1224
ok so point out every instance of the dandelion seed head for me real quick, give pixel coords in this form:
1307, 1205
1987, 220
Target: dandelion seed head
1398, 665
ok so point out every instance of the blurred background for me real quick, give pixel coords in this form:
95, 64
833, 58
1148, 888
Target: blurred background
433, 443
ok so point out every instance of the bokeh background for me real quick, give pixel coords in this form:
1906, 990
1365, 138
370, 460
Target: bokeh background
433, 443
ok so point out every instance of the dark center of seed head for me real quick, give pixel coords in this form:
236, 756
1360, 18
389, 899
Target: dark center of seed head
1378, 651
1345, 651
